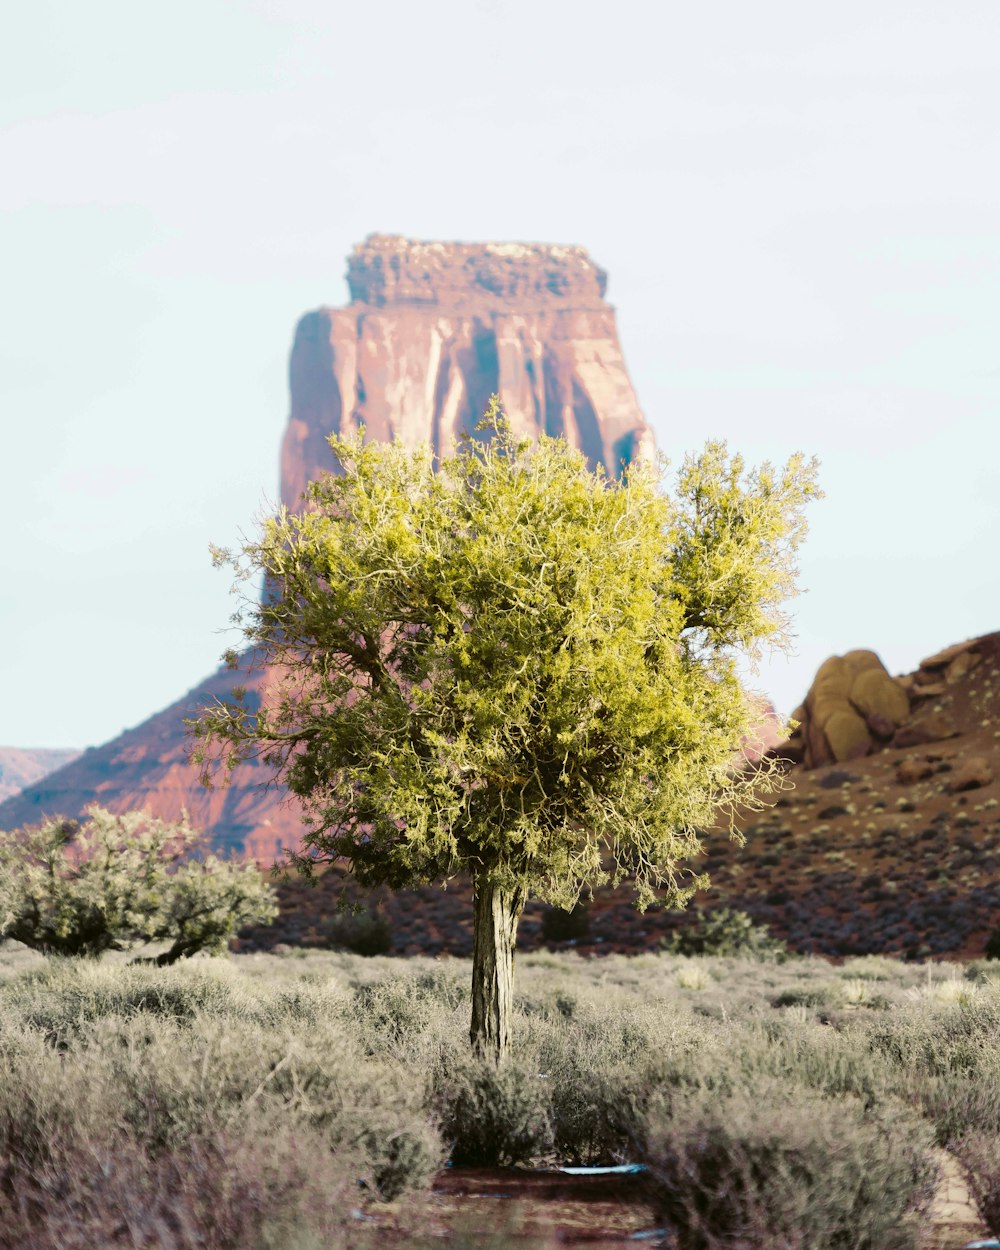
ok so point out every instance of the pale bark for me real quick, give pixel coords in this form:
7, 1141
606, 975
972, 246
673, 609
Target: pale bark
496, 912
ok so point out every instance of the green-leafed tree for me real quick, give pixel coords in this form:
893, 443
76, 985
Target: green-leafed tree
113, 882
512, 666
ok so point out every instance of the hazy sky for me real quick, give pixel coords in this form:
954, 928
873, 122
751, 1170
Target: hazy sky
798, 206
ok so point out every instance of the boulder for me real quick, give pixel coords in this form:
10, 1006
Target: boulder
852, 706
962, 664
935, 727
881, 701
971, 774
910, 771
941, 659
847, 735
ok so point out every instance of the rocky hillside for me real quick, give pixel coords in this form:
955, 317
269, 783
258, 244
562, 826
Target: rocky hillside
20, 767
147, 768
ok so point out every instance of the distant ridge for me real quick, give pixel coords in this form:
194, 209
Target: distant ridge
20, 766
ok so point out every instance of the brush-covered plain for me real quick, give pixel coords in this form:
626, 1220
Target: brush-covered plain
259, 1101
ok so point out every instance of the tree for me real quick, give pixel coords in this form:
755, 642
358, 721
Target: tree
115, 881
512, 666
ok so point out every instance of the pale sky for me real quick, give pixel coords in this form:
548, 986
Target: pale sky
798, 206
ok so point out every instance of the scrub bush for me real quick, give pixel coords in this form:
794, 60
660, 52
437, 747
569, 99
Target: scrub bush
727, 932
496, 1116
773, 1165
113, 882
979, 1154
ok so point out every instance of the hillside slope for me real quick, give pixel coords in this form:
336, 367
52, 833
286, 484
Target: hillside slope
20, 766
894, 851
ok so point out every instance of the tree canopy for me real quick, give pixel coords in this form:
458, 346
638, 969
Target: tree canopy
512, 665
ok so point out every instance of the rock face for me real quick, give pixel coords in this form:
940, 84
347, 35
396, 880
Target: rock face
20, 767
433, 329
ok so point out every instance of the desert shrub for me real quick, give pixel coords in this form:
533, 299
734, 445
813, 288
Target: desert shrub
364, 1063
945, 1057
983, 972
495, 1116
230, 1193
818, 995
559, 925
594, 1111
49, 1102
979, 1154
992, 947
180, 1085
726, 932
392, 1013
113, 882
942, 1036
170, 1089
775, 1165
64, 996
364, 932
956, 1104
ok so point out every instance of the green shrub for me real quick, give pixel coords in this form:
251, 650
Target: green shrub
726, 932
774, 1165
992, 948
363, 932
113, 882
495, 1116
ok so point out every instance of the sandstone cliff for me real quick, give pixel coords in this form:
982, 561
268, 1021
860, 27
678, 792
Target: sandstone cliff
433, 329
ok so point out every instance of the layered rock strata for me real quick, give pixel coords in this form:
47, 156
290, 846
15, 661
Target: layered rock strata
434, 329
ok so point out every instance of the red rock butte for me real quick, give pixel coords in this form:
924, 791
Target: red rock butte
434, 329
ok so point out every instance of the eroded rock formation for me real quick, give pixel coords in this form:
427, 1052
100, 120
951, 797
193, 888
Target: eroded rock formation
433, 329
147, 768
854, 707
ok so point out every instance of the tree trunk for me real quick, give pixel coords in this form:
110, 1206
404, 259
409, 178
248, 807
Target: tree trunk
496, 911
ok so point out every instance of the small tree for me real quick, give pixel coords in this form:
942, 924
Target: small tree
514, 667
114, 881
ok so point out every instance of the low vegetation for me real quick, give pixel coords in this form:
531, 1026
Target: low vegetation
266, 1100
